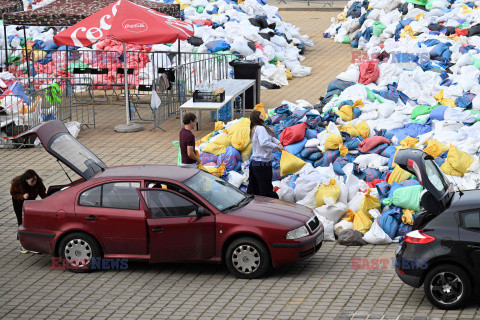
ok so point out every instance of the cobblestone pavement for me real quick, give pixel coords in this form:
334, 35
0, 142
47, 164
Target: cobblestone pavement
323, 287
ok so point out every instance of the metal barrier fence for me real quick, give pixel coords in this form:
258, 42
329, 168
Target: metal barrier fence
106, 68
19, 113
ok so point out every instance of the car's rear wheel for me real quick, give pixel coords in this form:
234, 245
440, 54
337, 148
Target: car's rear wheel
78, 249
447, 287
248, 258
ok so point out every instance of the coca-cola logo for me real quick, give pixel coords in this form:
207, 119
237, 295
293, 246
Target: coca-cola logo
134, 25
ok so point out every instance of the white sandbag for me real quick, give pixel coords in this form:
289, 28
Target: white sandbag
310, 199
376, 235
286, 193
331, 211
328, 234
235, 178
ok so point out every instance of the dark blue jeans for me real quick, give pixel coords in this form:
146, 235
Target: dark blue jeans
260, 179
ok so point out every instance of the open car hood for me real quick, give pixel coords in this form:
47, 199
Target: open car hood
430, 176
56, 139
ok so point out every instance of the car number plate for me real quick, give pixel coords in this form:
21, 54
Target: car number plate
319, 239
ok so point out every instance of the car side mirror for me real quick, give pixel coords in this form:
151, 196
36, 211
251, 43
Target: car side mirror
201, 212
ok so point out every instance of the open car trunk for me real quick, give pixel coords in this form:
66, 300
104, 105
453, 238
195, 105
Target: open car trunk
56, 139
438, 193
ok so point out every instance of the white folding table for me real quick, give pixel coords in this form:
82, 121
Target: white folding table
233, 89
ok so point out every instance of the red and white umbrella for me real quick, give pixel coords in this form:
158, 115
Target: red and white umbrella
126, 22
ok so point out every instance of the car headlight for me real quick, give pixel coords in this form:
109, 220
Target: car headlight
298, 233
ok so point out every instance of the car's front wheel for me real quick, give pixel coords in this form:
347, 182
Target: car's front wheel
78, 249
447, 287
248, 258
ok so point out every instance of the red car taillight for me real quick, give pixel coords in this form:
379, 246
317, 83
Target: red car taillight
418, 237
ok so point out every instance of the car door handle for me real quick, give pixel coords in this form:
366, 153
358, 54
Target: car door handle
473, 247
157, 229
91, 218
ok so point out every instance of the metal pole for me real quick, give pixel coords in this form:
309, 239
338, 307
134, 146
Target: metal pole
6, 45
126, 81
26, 52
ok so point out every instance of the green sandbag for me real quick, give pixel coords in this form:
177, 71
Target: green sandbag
378, 28
73, 65
200, 9
464, 25
406, 197
419, 2
179, 156
476, 62
372, 96
273, 61
346, 39
421, 110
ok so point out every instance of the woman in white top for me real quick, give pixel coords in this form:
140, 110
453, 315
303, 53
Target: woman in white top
260, 169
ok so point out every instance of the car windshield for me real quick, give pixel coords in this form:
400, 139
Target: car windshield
221, 194
435, 176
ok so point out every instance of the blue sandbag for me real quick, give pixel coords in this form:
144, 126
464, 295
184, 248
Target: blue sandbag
389, 152
315, 156
305, 153
217, 45
328, 157
383, 189
310, 133
438, 113
208, 157
390, 220
230, 158
296, 148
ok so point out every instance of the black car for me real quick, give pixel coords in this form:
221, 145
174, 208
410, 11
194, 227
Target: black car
443, 251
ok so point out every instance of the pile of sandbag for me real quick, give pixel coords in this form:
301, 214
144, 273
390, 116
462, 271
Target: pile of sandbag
248, 28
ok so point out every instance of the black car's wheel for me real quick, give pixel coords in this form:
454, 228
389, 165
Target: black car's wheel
78, 249
447, 287
248, 258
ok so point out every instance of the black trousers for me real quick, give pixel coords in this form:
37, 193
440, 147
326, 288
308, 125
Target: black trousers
17, 207
260, 179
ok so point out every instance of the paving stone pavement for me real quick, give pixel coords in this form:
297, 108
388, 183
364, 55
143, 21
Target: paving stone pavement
323, 287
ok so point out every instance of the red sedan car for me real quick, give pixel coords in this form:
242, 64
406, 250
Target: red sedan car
160, 213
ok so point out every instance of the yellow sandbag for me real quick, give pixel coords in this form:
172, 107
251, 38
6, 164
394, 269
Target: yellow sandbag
218, 125
214, 148
420, 16
398, 175
218, 172
204, 139
350, 129
289, 75
435, 148
358, 104
334, 142
247, 152
39, 54
407, 217
444, 101
261, 108
289, 164
408, 31
241, 138
362, 221
466, 10
457, 162
330, 190
350, 215
363, 129
369, 202
408, 142
224, 140
346, 112
243, 123
342, 16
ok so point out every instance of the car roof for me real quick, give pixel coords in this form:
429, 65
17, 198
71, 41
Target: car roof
148, 171
469, 199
